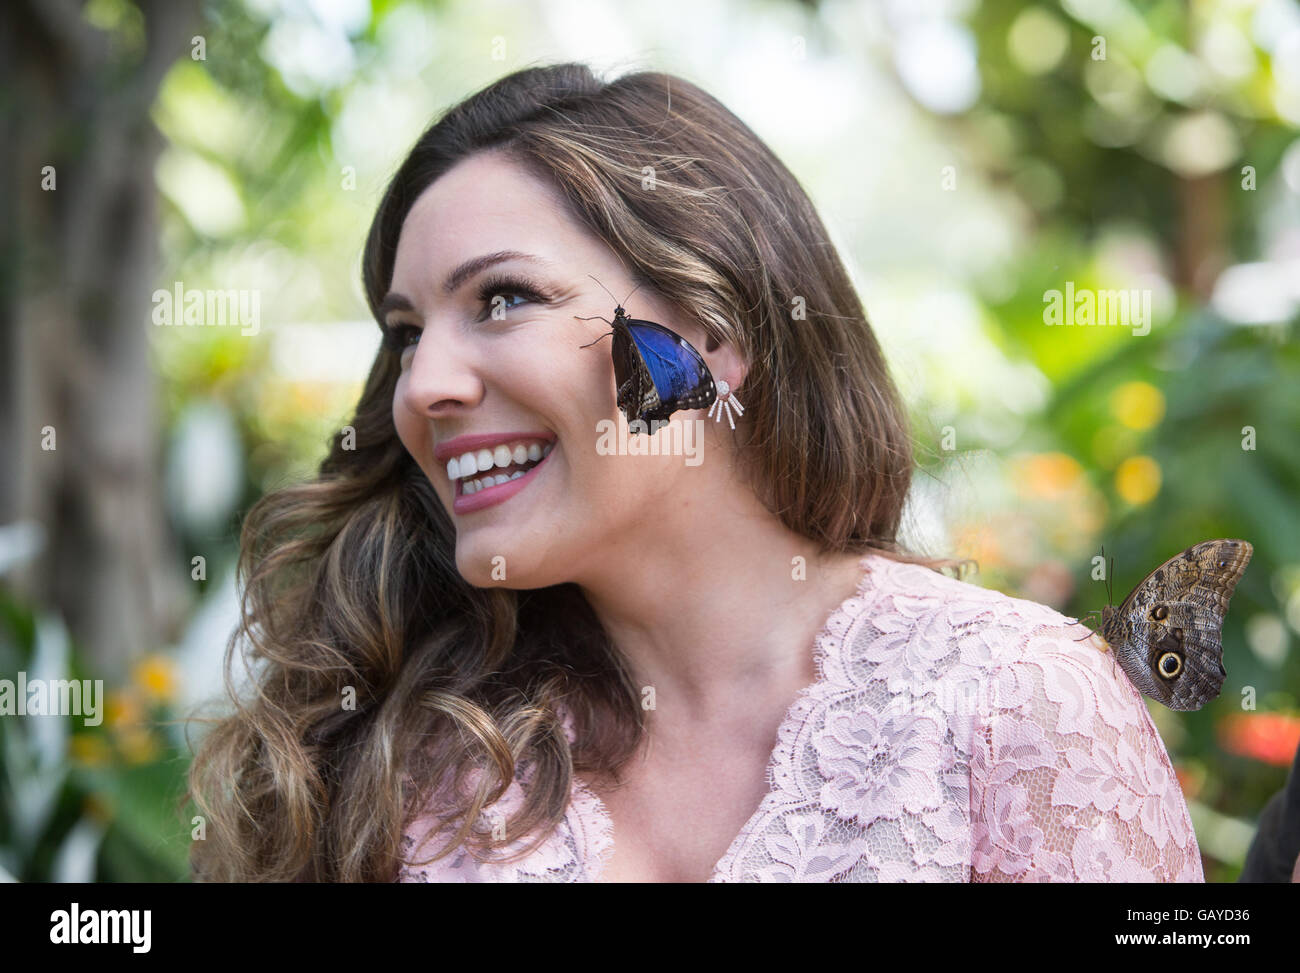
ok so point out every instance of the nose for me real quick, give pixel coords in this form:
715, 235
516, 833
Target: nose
443, 375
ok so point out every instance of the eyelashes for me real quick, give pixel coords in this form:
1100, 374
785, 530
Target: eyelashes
398, 337
512, 285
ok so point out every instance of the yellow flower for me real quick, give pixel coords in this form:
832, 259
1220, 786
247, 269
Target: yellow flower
155, 675
1139, 405
90, 749
138, 745
1138, 479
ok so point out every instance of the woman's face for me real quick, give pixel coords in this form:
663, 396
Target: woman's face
490, 351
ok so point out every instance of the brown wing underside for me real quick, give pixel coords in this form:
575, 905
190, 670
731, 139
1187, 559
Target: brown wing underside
1167, 634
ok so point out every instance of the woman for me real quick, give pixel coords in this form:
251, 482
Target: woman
579, 668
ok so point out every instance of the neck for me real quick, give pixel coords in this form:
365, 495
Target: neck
706, 608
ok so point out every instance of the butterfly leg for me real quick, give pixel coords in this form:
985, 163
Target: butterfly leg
602, 337
1091, 633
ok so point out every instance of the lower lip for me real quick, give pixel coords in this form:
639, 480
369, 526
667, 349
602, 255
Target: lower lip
500, 493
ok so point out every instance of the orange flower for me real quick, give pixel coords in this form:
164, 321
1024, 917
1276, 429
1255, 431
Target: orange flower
123, 709
1048, 475
1191, 778
97, 807
980, 543
1270, 737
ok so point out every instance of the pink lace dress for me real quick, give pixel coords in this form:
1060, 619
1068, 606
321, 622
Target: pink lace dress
953, 734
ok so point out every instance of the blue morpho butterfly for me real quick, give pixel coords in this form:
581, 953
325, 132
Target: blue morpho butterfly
657, 371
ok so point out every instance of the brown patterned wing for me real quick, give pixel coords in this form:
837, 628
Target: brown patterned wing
1168, 633
636, 390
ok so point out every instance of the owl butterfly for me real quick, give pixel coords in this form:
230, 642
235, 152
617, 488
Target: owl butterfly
1167, 634
657, 372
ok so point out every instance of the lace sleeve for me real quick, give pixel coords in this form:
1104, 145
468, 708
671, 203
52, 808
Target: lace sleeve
1069, 779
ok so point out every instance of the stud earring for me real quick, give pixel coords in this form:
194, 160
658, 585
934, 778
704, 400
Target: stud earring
725, 402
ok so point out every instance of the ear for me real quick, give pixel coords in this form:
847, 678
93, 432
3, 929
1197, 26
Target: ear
724, 361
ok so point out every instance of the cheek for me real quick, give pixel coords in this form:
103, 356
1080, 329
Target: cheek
630, 488
399, 417
410, 430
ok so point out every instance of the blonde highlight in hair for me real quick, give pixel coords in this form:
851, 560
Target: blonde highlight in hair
349, 582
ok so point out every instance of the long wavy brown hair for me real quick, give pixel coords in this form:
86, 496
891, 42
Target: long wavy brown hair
378, 672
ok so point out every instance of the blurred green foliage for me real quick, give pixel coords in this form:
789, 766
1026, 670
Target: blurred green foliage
82, 803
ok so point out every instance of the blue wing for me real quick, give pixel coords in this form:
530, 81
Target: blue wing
681, 378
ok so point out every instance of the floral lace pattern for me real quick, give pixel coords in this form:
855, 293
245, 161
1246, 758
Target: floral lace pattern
953, 734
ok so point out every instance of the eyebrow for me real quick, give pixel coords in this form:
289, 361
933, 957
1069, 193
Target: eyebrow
399, 302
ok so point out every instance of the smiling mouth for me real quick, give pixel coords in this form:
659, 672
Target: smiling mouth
494, 467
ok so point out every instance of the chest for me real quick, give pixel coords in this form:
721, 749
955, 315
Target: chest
675, 824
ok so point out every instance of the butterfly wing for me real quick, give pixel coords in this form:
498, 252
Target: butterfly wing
1168, 633
637, 395
662, 374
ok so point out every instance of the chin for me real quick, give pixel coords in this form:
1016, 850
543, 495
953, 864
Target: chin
486, 564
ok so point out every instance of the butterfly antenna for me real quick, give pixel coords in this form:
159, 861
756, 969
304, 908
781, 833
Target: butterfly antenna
604, 288
607, 291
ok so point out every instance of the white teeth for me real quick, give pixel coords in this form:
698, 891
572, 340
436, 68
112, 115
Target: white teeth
470, 487
465, 467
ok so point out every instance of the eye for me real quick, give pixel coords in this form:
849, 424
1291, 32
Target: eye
492, 302
398, 337
1170, 665
509, 286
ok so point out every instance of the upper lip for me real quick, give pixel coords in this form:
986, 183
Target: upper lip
469, 443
